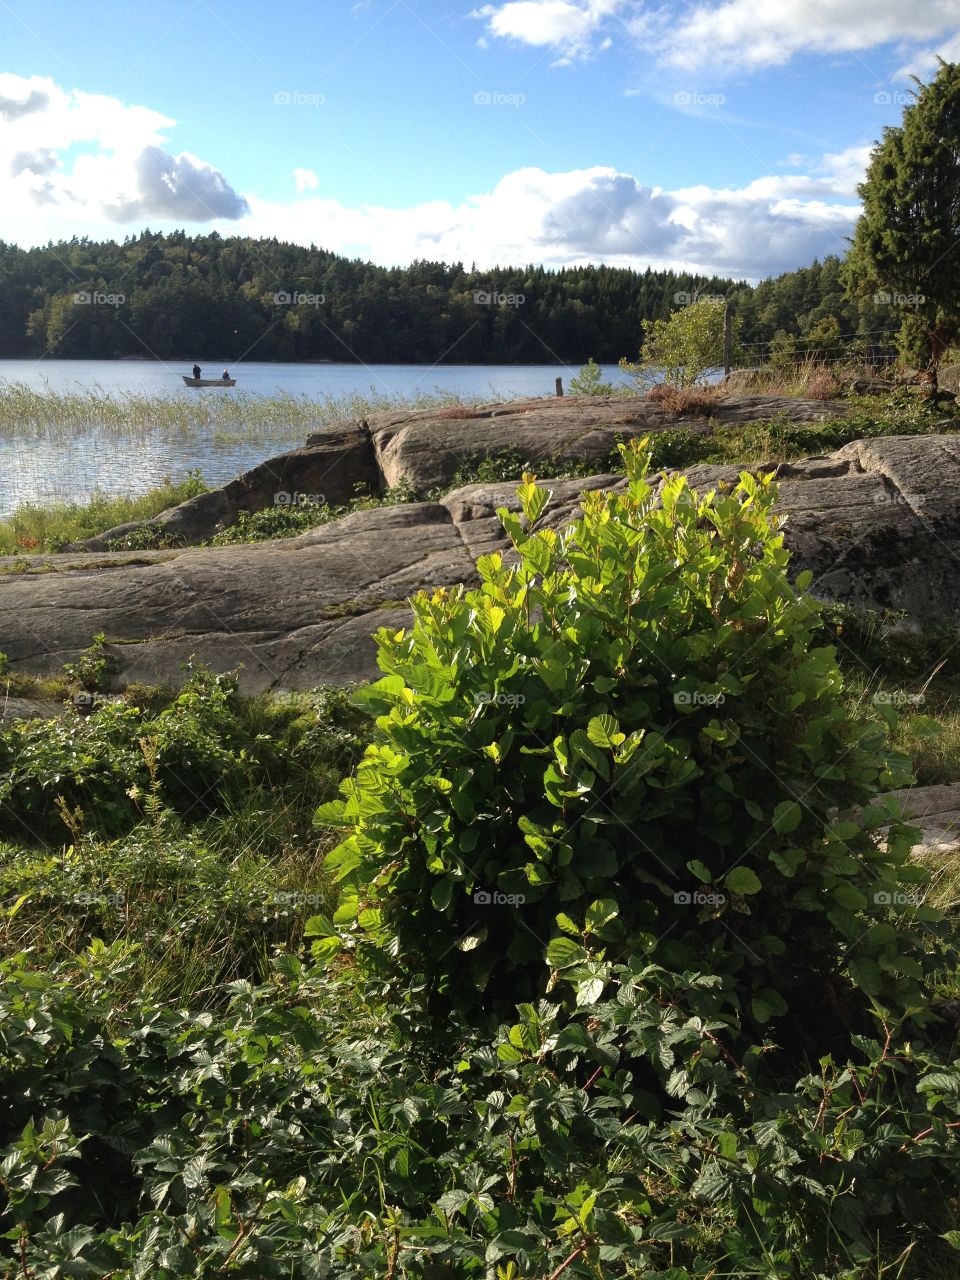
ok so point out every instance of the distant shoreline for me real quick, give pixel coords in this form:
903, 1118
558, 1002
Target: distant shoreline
347, 364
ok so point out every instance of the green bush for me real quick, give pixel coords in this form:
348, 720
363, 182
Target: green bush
629, 738
311, 1129
683, 348
202, 751
589, 381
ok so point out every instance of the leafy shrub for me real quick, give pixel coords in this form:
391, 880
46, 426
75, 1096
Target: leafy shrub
145, 538
292, 520
683, 348
312, 1129
201, 748
676, 448
92, 670
276, 522
630, 738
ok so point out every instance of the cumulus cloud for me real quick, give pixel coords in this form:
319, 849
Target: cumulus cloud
94, 158
38, 162
772, 224
757, 33
181, 188
741, 34
94, 163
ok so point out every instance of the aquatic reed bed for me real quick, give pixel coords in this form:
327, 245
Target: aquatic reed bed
240, 417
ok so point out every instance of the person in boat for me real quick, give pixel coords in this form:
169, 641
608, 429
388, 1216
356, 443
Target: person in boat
196, 371
225, 375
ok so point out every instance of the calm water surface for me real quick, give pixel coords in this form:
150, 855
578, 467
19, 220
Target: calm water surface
38, 469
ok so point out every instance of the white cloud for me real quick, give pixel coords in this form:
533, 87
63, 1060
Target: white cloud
124, 174
772, 224
740, 34
755, 33
924, 64
569, 26
305, 180
118, 168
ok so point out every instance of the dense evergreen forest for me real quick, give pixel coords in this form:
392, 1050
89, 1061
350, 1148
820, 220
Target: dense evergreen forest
202, 297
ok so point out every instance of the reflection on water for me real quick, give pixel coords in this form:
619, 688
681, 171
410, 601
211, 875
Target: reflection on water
72, 467
45, 471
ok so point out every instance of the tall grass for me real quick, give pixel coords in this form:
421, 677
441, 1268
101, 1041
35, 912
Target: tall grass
811, 378
48, 528
28, 413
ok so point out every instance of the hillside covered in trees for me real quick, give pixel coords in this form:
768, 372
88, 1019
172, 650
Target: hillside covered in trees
180, 296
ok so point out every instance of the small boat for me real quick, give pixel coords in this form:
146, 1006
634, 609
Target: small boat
208, 382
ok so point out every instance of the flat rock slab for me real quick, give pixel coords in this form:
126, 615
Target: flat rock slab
292, 614
877, 522
936, 811
428, 448
30, 709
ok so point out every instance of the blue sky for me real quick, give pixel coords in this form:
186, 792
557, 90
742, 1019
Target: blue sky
724, 135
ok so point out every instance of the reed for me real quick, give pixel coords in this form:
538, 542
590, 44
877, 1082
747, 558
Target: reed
27, 413
35, 528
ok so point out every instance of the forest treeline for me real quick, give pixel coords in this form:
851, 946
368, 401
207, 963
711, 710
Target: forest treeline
205, 297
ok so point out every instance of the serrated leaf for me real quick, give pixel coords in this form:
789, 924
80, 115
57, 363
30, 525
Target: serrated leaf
604, 731
319, 926
589, 992
563, 952
867, 975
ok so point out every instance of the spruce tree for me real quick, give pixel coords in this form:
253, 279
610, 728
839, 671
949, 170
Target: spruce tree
906, 246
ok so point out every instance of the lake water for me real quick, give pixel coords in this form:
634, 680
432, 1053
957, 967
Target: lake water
39, 467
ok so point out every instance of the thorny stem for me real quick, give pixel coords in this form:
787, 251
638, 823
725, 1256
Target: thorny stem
569, 1261
592, 1078
954, 1124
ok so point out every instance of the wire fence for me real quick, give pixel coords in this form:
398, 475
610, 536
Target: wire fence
852, 349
